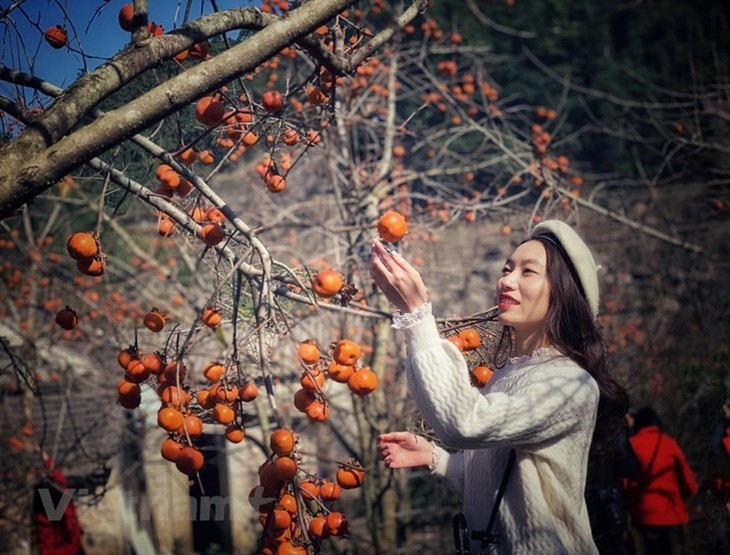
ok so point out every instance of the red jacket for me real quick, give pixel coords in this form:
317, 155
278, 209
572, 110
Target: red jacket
657, 496
63, 536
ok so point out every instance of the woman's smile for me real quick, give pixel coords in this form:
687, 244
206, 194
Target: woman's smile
505, 301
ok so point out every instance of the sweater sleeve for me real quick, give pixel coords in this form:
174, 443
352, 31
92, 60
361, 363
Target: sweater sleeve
450, 468
546, 407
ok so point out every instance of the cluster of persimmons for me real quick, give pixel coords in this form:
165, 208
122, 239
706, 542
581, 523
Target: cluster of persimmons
298, 509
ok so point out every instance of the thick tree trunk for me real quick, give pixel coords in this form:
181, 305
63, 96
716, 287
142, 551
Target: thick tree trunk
44, 153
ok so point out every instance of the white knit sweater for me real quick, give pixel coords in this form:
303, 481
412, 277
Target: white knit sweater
544, 406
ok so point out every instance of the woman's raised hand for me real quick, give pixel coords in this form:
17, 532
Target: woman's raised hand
404, 450
400, 282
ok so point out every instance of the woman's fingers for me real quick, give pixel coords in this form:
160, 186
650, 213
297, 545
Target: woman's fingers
399, 281
397, 259
379, 252
394, 436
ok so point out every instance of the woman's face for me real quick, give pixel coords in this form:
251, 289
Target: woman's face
523, 291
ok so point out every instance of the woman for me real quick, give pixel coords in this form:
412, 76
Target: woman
545, 402
657, 498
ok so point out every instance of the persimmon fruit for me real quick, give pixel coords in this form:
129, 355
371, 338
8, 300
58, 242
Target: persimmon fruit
480, 376
154, 321
309, 489
327, 283
225, 393
317, 411
285, 468
56, 36
330, 491
273, 101
303, 399
350, 477
318, 527
188, 156
205, 399
248, 392
211, 317
339, 372
267, 478
316, 95
279, 519
392, 226
337, 524
275, 183
290, 137
212, 234
127, 387
66, 318
215, 215
137, 372
471, 339
130, 401
189, 460
193, 424
126, 356
206, 157
457, 341
363, 382
281, 442
209, 111
169, 419
223, 414
173, 369
82, 245
166, 227
346, 352
235, 433
287, 502
214, 371
126, 17
312, 380
171, 449
174, 397
94, 267
153, 362
200, 50
308, 351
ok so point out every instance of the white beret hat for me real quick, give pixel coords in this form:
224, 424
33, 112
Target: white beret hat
578, 253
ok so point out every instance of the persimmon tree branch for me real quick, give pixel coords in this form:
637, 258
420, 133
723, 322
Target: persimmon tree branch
42, 154
187, 223
631, 223
91, 89
348, 62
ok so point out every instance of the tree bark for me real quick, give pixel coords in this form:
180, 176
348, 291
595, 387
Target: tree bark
44, 153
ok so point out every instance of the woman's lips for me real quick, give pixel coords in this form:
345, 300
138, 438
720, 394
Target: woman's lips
506, 301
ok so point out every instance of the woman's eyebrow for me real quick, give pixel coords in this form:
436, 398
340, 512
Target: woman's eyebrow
526, 261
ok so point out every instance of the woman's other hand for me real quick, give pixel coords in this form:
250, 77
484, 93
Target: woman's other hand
400, 282
404, 450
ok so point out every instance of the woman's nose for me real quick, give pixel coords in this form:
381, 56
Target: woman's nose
506, 282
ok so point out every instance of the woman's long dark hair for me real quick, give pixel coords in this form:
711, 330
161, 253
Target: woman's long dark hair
572, 329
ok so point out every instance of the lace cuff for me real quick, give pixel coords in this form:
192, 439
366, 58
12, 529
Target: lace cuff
435, 459
403, 321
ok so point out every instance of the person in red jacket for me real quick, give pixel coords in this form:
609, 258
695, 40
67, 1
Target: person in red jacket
657, 498
57, 527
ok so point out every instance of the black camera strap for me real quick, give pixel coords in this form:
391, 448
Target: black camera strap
486, 537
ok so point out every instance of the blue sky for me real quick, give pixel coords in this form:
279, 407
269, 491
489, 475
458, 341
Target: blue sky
98, 33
